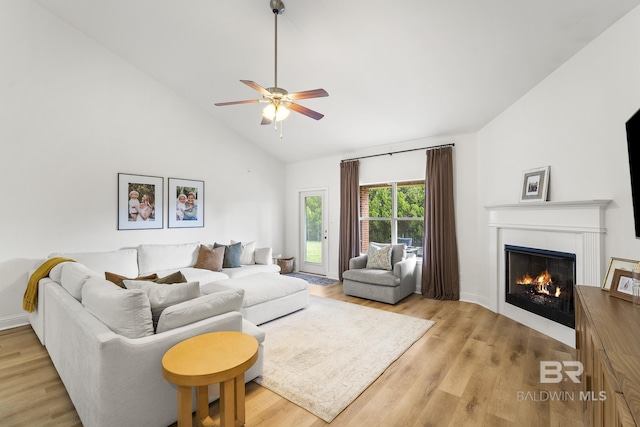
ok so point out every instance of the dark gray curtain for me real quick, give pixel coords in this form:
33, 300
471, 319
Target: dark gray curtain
349, 214
440, 276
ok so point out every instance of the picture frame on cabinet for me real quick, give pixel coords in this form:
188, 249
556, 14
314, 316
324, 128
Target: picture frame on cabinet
622, 285
185, 203
535, 184
617, 264
140, 202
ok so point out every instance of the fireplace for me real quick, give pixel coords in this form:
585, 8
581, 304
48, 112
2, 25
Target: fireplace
541, 281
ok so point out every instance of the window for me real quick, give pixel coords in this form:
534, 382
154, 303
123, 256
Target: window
392, 213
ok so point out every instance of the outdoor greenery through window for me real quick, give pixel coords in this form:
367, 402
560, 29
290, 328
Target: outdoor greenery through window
392, 213
313, 229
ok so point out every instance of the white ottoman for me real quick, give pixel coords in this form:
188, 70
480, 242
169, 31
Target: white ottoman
267, 296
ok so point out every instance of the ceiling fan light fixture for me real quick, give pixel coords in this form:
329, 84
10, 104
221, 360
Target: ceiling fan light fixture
275, 113
280, 103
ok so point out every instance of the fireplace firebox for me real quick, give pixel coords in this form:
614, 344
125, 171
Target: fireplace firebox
541, 281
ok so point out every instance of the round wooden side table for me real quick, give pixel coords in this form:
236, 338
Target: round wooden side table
216, 357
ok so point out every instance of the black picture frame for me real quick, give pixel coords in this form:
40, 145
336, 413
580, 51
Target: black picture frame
181, 213
140, 202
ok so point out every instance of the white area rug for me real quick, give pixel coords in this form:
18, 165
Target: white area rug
324, 356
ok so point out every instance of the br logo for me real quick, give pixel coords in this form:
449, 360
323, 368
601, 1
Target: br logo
553, 371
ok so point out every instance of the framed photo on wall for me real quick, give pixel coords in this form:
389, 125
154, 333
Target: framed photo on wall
140, 202
186, 203
535, 185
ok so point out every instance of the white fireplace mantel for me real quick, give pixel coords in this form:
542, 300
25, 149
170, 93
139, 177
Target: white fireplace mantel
574, 227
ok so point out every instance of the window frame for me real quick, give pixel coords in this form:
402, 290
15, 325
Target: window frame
394, 219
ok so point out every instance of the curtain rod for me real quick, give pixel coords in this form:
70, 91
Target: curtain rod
401, 151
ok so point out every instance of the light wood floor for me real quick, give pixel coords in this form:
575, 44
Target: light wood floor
468, 370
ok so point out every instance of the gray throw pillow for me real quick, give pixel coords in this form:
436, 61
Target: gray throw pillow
231, 254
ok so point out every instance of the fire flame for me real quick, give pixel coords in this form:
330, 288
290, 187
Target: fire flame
542, 283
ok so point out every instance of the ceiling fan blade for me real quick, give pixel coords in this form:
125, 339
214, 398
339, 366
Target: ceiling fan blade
306, 94
248, 101
304, 110
265, 121
256, 86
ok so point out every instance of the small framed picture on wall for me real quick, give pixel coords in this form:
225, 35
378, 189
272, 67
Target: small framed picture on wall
535, 185
186, 203
140, 202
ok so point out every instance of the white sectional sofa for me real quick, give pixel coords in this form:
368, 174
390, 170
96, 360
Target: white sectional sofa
101, 340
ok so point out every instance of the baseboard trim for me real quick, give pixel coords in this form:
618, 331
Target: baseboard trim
9, 322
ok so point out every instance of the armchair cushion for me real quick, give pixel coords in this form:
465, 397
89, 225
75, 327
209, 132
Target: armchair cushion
372, 276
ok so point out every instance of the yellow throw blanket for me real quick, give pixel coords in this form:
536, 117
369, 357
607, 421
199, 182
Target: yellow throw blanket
30, 299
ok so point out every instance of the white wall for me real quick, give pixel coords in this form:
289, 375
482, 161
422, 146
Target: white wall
325, 173
73, 115
573, 121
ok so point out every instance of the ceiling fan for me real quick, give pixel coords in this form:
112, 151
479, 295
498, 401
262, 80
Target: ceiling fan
280, 102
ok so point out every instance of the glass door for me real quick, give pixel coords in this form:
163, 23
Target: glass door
313, 233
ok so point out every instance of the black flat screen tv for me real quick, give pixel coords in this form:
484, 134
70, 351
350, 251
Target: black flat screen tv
633, 145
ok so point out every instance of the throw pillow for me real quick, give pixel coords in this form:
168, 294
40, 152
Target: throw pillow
231, 254
126, 312
117, 279
247, 253
264, 256
200, 308
398, 252
210, 259
176, 277
162, 296
379, 257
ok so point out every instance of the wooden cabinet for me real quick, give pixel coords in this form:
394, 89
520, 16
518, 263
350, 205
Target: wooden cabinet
608, 345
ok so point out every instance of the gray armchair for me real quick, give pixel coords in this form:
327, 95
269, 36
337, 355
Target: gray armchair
388, 286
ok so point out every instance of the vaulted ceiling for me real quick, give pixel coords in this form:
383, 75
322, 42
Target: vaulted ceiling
395, 71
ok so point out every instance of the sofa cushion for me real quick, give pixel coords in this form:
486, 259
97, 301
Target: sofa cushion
210, 259
372, 276
264, 256
200, 308
126, 312
201, 275
56, 272
260, 288
162, 296
73, 276
379, 257
123, 261
154, 258
247, 253
117, 279
248, 270
231, 254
